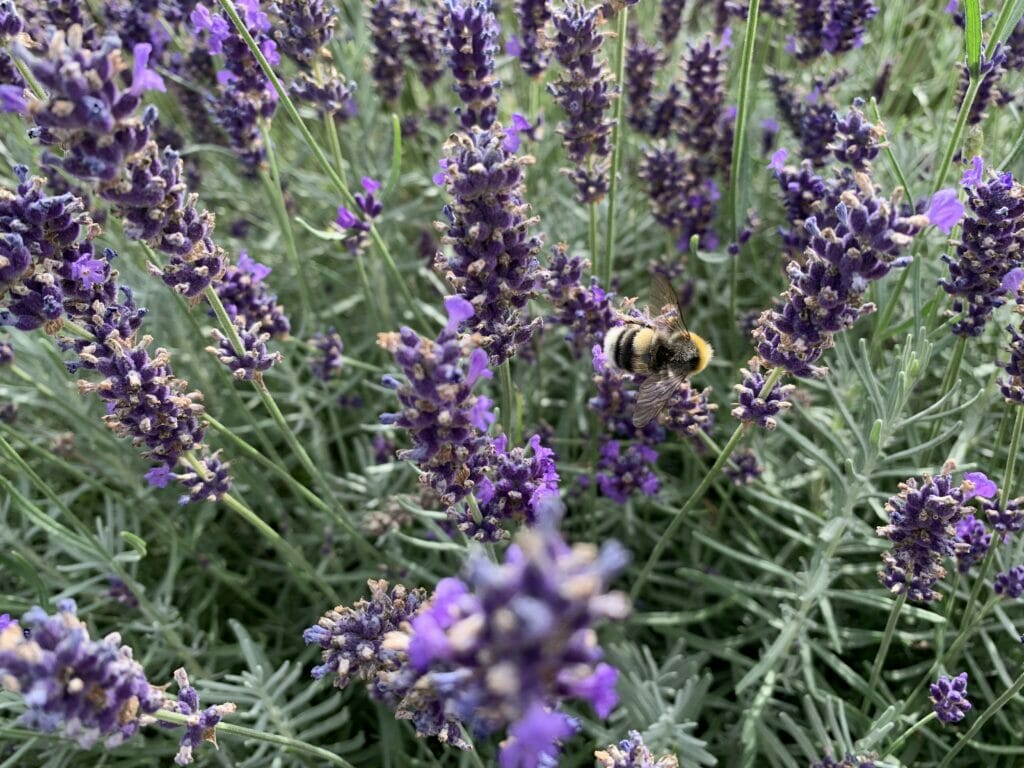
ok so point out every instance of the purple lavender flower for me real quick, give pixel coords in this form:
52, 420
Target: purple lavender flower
6, 353
614, 402
253, 358
1010, 584
245, 294
534, 45
333, 97
138, 22
386, 27
949, 698
747, 468
682, 197
972, 542
10, 21
472, 28
862, 243
752, 408
93, 119
423, 41
585, 310
246, 96
1006, 521
670, 20
810, 113
353, 638
306, 26
494, 260
945, 210
1012, 386
584, 91
689, 413
209, 482
857, 141
702, 110
632, 753
809, 16
643, 62
844, 29
517, 491
443, 417
993, 67
121, 592
85, 690
201, 724
6, 621
506, 645
358, 224
621, 473
327, 363
990, 247
922, 527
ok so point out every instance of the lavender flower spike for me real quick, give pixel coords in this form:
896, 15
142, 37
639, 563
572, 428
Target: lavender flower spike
85, 690
494, 262
534, 46
949, 698
584, 90
201, 725
472, 28
632, 753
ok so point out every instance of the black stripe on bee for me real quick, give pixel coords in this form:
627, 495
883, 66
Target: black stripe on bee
624, 349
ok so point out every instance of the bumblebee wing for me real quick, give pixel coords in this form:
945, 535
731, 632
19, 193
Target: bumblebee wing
664, 295
652, 397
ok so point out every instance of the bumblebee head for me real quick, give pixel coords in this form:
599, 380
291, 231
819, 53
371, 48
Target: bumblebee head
704, 352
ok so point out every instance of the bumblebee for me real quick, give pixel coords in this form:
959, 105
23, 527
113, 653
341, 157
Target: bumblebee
663, 350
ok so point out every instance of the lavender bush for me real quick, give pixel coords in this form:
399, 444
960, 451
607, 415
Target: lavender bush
311, 449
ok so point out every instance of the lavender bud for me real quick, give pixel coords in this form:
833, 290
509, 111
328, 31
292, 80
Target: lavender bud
472, 28
326, 365
949, 698
201, 725
752, 407
252, 359
306, 26
386, 32
632, 753
534, 43
1010, 584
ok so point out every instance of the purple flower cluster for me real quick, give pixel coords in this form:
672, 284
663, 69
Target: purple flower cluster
632, 753
494, 262
423, 41
832, 26
1010, 584
949, 698
504, 646
993, 67
972, 542
680, 178
201, 725
385, 23
586, 310
747, 468
85, 690
249, 361
306, 26
472, 27
991, 246
1005, 521
246, 96
357, 225
532, 47
621, 473
326, 365
353, 638
92, 118
810, 114
136, 22
751, 407
245, 294
923, 519
644, 109
689, 413
584, 90
445, 420
858, 242
518, 490
65, 276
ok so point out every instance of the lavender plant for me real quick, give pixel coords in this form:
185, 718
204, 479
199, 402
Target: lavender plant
482, 509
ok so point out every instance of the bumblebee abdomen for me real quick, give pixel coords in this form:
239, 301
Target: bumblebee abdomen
628, 347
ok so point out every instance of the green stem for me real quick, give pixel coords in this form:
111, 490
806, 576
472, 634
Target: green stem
883, 648
314, 146
293, 556
698, 494
288, 742
617, 132
1004, 496
898, 744
275, 192
739, 141
513, 424
1007, 696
